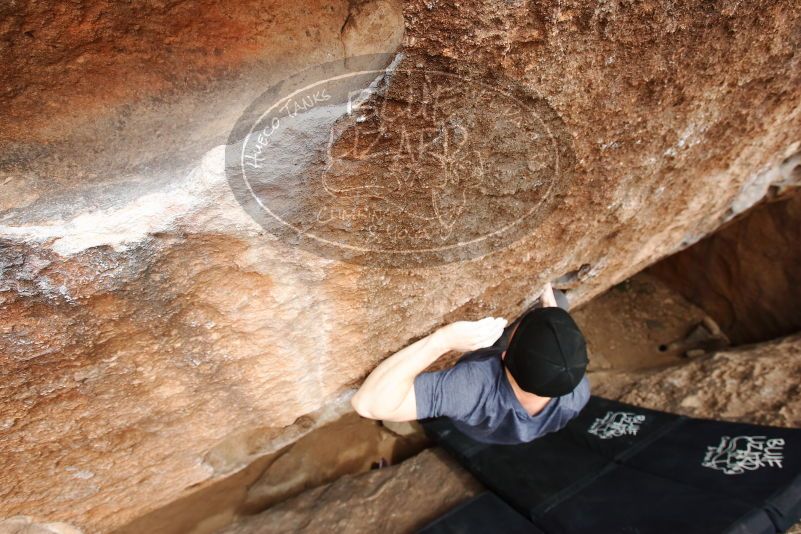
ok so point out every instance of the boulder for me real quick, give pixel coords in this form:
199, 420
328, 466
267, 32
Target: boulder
399, 498
27, 525
753, 384
156, 330
347, 446
746, 274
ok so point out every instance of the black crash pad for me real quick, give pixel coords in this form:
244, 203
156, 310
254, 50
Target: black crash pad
482, 514
620, 468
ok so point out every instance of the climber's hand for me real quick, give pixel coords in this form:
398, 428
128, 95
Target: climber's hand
463, 336
547, 298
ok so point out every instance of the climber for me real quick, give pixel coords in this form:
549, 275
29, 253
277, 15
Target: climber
511, 387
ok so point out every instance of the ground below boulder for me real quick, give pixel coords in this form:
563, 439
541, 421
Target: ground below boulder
754, 384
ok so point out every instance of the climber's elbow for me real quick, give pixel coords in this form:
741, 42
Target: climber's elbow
361, 406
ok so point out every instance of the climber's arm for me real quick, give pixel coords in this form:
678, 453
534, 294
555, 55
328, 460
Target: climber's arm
388, 392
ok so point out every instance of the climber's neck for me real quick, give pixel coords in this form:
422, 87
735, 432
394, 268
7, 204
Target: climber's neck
531, 403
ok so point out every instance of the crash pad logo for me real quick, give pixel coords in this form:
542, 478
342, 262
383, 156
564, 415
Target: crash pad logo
381, 160
616, 424
738, 454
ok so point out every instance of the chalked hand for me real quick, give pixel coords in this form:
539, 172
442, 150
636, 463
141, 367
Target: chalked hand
472, 335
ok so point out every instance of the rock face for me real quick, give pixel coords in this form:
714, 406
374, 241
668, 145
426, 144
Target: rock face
347, 446
26, 525
400, 498
755, 384
746, 275
351, 447
154, 336
637, 324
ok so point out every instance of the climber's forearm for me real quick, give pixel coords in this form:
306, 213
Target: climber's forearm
388, 393
386, 388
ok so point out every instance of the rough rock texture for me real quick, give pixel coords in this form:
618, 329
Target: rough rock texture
103, 91
755, 384
154, 337
352, 446
747, 274
349, 445
399, 498
638, 323
26, 525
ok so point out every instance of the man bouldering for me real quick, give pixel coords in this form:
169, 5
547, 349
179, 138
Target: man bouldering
510, 387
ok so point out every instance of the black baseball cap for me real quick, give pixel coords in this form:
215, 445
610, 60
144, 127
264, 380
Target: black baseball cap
547, 354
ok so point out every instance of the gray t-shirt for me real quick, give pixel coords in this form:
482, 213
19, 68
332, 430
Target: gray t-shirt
476, 394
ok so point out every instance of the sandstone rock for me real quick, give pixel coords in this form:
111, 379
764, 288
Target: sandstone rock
754, 384
406, 428
348, 445
351, 445
373, 26
636, 325
26, 525
399, 498
153, 337
746, 275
